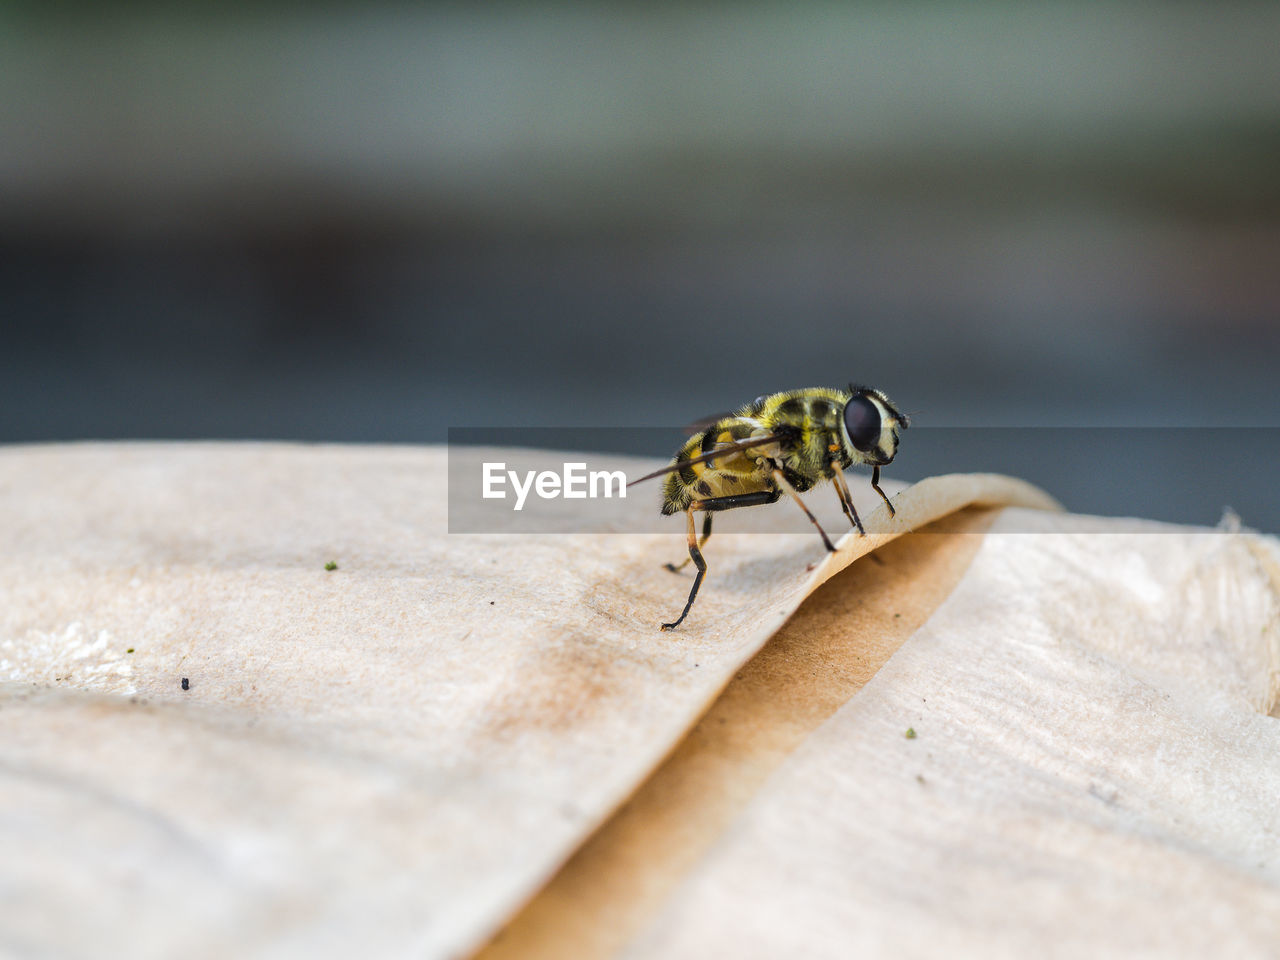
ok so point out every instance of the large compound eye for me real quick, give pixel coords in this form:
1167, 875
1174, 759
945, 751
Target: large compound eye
862, 422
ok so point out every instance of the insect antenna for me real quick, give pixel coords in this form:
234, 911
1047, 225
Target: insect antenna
725, 450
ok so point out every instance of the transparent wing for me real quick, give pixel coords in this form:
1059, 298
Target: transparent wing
720, 451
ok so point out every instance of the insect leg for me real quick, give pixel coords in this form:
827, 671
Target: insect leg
713, 505
735, 500
875, 485
702, 542
846, 498
781, 481
696, 556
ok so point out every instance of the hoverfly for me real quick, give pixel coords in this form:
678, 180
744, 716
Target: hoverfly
779, 443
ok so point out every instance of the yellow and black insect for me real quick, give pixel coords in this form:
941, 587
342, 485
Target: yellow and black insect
779, 443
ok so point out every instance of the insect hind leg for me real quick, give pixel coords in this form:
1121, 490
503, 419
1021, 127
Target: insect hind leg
696, 556
702, 542
712, 505
735, 500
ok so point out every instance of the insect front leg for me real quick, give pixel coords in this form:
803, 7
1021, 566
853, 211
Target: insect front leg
845, 497
702, 542
875, 485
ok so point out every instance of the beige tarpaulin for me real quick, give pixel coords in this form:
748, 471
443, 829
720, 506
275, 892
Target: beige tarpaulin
1102, 781
391, 757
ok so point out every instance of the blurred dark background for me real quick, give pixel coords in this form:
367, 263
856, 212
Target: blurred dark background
355, 222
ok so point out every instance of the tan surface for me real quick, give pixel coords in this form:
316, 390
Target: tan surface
1094, 773
834, 644
387, 758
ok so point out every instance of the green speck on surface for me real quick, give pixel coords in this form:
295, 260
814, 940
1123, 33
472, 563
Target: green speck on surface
331, 565
130, 650
911, 733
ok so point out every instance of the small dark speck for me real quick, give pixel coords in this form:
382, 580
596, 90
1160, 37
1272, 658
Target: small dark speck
695, 664
186, 684
491, 603
911, 733
920, 777
331, 565
130, 650
896, 615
